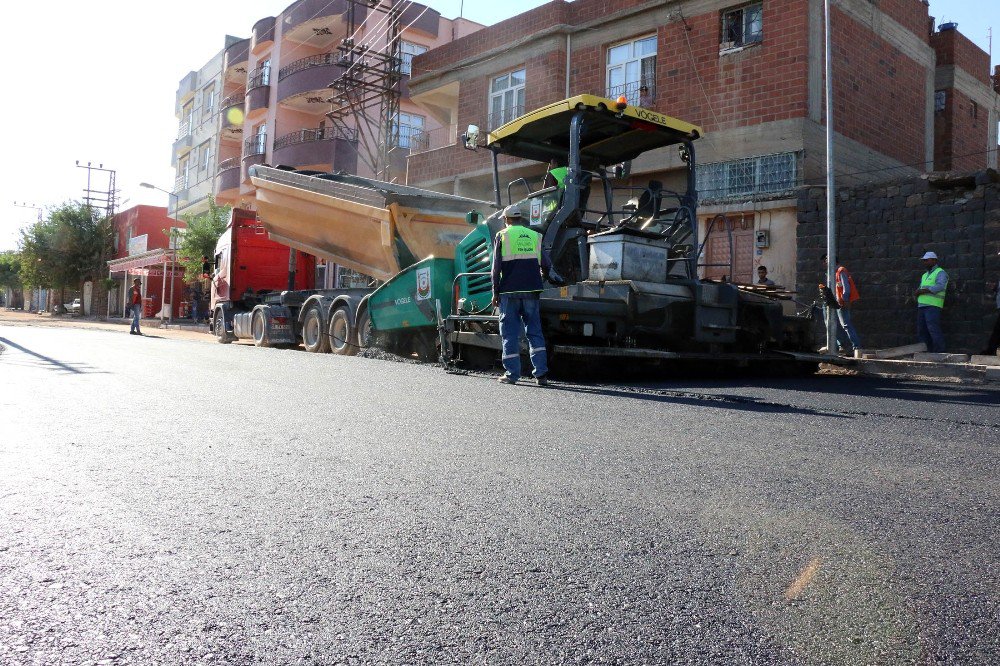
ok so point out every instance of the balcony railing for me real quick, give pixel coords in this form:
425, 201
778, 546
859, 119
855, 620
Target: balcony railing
255, 145
232, 162
184, 129
320, 60
315, 134
424, 140
236, 99
181, 183
495, 120
634, 93
259, 77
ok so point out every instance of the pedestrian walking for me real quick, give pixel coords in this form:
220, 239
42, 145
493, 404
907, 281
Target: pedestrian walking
845, 294
135, 303
994, 341
517, 270
762, 276
930, 302
195, 301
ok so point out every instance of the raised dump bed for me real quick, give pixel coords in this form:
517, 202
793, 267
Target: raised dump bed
370, 226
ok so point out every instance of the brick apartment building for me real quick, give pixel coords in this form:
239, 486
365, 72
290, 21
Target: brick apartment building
907, 99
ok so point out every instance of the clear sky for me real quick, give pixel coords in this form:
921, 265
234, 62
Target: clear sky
95, 81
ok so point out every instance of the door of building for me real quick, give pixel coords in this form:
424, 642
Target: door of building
717, 248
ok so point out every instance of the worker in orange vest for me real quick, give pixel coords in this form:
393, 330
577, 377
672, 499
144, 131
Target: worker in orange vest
846, 294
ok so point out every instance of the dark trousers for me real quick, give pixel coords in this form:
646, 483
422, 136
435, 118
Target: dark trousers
929, 328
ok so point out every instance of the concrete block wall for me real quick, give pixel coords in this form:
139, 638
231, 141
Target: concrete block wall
883, 230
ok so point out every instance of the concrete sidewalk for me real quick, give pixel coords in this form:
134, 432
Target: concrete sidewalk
184, 330
914, 362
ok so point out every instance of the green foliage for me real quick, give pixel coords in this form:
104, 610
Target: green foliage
72, 243
10, 269
199, 238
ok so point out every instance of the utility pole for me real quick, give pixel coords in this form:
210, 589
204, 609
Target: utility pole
831, 194
28, 205
366, 98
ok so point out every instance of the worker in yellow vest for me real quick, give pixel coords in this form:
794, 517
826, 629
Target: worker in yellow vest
930, 302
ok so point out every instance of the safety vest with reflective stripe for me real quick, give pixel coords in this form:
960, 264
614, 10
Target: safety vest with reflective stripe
928, 280
521, 260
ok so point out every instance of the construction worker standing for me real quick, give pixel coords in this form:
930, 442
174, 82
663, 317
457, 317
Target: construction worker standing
930, 302
517, 270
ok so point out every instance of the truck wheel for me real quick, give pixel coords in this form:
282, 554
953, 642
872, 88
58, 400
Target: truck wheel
364, 329
341, 335
314, 336
257, 327
220, 329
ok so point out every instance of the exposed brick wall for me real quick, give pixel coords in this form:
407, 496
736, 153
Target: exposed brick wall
961, 134
953, 48
882, 233
911, 14
879, 93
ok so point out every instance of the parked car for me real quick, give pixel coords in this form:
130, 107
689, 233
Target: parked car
76, 307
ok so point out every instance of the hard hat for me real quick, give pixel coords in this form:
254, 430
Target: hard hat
929, 255
512, 211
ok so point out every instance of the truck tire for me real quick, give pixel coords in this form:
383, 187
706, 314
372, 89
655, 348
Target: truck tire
258, 329
341, 336
363, 329
220, 329
314, 337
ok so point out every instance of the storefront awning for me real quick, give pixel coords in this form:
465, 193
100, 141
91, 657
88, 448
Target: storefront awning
133, 263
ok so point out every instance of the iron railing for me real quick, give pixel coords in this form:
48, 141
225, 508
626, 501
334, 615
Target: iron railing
315, 134
181, 182
634, 93
311, 61
495, 120
230, 163
255, 145
425, 140
236, 99
184, 129
259, 77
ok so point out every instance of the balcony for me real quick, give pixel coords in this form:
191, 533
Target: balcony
186, 89
184, 142
319, 23
633, 93
258, 90
254, 150
304, 84
262, 35
231, 110
504, 116
235, 61
321, 146
228, 176
421, 141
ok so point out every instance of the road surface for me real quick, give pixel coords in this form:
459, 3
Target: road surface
176, 501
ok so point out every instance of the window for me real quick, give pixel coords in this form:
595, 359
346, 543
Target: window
631, 66
743, 26
208, 100
204, 156
940, 99
183, 171
261, 76
260, 140
406, 53
409, 127
748, 176
506, 98
974, 110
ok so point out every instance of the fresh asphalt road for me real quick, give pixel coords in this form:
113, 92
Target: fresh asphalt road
174, 501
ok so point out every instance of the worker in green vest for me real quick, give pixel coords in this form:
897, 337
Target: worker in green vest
930, 302
556, 175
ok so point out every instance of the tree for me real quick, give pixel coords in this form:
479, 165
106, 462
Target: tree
67, 247
198, 239
10, 270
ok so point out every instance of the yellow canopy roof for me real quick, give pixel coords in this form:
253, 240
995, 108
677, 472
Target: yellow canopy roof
609, 136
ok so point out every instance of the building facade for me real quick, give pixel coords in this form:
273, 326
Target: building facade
194, 155
751, 74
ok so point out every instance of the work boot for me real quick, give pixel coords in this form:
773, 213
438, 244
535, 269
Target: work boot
543, 380
506, 379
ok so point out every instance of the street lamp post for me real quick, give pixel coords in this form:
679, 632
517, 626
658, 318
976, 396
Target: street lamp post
173, 264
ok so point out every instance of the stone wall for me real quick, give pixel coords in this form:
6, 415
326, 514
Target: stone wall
883, 230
